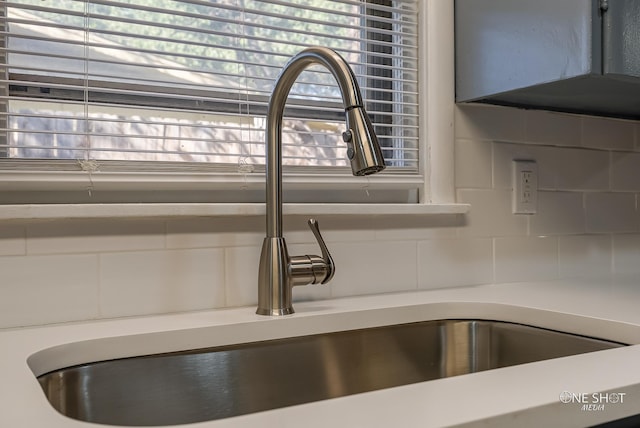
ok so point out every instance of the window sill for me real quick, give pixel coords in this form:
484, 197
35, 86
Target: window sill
84, 211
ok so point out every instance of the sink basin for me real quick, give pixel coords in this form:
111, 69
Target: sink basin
215, 383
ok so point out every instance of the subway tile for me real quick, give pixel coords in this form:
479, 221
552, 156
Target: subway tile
363, 268
606, 133
626, 254
84, 236
526, 259
584, 256
610, 212
473, 164
241, 275
625, 171
394, 228
559, 129
559, 213
155, 282
37, 290
581, 169
455, 262
491, 214
484, 122
215, 232
12, 240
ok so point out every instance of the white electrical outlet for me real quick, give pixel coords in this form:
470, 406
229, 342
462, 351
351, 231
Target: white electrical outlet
525, 187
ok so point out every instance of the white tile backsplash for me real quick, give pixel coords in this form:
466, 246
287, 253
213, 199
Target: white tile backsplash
474, 164
489, 123
148, 282
610, 212
581, 169
625, 171
559, 213
214, 232
585, 256
491, 214
86, 236
48, 289
455, 262
587, 225
394, 228
526, 259
543, 127
605, 133
367, 268
626, 254
241, 275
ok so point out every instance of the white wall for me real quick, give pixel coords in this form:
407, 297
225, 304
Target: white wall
587, 224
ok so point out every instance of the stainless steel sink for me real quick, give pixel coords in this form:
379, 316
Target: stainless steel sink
216, 383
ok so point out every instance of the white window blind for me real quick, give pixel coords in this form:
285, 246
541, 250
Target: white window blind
154, 85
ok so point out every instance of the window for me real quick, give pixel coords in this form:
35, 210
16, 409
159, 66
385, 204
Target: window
169, 87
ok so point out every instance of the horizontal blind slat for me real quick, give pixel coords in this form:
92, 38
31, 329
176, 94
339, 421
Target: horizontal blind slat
408, 35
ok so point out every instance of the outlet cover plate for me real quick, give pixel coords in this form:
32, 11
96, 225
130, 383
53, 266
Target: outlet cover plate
525, 187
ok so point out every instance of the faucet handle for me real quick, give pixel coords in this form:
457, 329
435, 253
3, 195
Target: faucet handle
308, 269
326, 256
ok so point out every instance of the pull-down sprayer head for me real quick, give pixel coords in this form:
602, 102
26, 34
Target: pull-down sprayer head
363, 149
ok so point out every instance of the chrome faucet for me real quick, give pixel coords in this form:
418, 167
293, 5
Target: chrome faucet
278, 271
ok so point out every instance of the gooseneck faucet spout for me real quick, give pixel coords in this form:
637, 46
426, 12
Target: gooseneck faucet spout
278, 272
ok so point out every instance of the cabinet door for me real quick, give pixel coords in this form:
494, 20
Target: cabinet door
506, 45
621, 38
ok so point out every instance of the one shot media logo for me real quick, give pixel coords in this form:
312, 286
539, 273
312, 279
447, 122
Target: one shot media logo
592, 402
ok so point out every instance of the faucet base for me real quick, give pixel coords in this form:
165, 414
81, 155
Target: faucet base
274, 287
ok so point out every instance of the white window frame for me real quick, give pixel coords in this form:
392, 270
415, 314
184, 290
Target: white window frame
437, 80
434, 184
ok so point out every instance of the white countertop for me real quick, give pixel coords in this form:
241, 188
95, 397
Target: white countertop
525, 395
